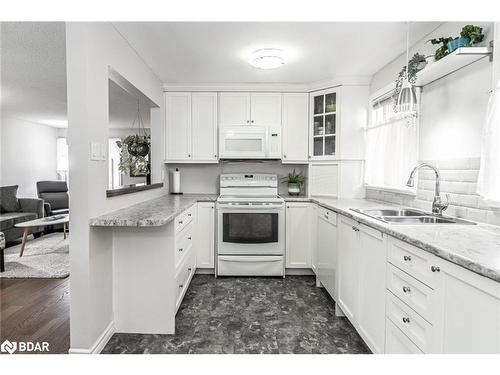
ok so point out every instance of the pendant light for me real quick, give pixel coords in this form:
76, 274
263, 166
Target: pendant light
406, 103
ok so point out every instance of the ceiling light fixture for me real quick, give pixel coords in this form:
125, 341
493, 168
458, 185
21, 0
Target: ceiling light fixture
267, 58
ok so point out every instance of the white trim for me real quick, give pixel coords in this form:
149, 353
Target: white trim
408, 192
99, 344
380, 93
299, 271
267, 87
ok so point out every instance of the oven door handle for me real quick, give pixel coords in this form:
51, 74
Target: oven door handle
249, 259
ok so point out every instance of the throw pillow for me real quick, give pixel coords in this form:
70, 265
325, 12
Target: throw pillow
8, 199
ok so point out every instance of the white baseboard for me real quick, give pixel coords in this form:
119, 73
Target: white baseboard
205, 271
99, 344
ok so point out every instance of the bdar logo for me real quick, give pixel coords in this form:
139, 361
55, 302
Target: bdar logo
8, 346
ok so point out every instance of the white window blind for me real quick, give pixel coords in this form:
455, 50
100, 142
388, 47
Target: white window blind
62, 158
391, 147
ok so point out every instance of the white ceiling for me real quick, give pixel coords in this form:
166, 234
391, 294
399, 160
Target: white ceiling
33, 71
215, 52
33, 57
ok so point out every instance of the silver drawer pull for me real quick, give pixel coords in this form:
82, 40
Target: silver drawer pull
189, 238
326, 217
406, 319
181, 249
435, 269
189, 269
406, 289
189, 215
180, 221
180, 286
407, 258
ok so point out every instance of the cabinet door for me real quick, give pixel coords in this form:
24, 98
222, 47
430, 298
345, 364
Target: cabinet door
204, 126
323, 125
348, 257
470, 322
266, 110
178, 126
204, 238
294, 128
327, 251
371, 308
234, 109
297, 236
313, 218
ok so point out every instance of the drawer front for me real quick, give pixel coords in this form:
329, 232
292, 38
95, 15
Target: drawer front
183, 244
414, 261
409, 322
254, 265
183, 277
417, 295
186, 217
328, 215
396, 342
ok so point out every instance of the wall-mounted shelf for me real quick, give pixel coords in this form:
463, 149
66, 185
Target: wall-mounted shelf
456, 60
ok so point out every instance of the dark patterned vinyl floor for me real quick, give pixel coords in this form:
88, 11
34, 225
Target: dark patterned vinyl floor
250, 315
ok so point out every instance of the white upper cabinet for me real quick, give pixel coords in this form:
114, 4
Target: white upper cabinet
178, 126
234, 109
191, 127
298, 253
265, 109
204, 126
338, 119
260, 109
295, 128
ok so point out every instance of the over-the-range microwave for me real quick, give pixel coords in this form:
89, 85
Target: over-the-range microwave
250, 142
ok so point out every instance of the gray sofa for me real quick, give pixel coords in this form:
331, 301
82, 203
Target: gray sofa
14, 210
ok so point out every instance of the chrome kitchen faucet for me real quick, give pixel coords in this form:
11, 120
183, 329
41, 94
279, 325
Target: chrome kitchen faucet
438, 206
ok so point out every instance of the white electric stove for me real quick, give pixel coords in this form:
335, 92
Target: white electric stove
251, 226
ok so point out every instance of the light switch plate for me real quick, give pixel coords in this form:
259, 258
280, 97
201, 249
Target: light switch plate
95, 151
103, 151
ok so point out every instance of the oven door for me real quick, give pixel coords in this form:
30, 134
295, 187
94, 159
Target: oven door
251, 229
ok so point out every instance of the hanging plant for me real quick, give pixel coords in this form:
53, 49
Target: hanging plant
415, 64
135, 149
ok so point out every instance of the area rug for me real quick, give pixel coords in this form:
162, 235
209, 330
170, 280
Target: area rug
45, 257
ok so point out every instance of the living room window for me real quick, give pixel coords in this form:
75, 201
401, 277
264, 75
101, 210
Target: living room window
62, 159
391, 146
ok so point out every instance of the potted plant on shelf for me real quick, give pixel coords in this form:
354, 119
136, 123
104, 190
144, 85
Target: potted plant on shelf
416, 64
443, 50
295, 182
469, 36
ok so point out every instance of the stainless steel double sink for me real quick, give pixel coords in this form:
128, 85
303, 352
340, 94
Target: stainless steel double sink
408, 216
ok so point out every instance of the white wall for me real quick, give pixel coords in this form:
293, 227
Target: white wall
452, 108
91, 49
28, 154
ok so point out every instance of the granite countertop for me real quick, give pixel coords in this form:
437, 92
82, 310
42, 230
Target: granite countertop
152, 213
474, 247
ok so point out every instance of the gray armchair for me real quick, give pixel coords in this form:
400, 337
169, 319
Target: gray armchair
15, 210
55, 196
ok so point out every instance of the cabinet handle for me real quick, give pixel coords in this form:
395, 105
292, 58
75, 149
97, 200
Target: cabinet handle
407, 258
248, 121
406, 319
355, 229
435, 269
180, 221
327, 217
189, 238
181, 249
189, 269
284, 156
180, 286
189, 215
406, 289
252, 121
215, 156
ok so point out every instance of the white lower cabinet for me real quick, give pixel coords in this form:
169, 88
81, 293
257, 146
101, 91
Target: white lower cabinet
396, 342
361, 280
313, 220
439, 306
204, 239
298, 254
326, 267
470, 312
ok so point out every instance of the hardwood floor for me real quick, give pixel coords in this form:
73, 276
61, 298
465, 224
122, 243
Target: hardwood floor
35, 310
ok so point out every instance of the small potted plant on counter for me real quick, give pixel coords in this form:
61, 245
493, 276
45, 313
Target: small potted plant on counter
295, 182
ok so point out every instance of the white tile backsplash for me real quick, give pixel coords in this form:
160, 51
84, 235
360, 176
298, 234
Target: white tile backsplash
458, 180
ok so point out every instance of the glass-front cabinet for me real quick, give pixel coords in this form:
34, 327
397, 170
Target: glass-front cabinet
323, 124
